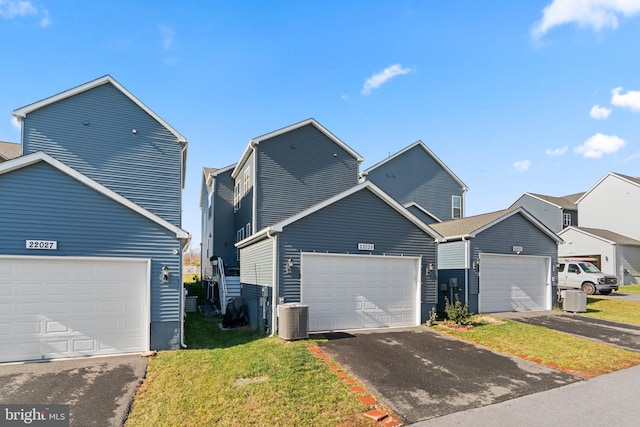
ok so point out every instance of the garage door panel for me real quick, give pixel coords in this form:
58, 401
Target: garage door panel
355, 292
67, 307
514, 283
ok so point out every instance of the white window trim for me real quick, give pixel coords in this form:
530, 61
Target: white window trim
566, 219
453, 207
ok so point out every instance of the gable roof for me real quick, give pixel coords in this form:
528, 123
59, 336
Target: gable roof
562, 202
9, 150
471, 226
629, 179
256, 141
22, 112
421, 209
40, 156
606, 235
368, 186
208, 174
426, 149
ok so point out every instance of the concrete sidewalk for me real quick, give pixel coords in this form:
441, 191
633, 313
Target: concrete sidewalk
608, 400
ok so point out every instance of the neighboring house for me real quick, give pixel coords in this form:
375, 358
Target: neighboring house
421, 182
608, 227
279, 174
8, 151
91, 254
358, 260
499, 261
218, 232
554, 212
612, 204
613, 253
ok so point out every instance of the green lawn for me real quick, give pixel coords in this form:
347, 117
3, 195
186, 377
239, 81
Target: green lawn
559, 350
629, 289
241, 378
614, 309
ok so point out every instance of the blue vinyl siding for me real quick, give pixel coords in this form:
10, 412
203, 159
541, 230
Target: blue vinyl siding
500, 239
224, 234
297, 170
414, 176
244, 214
361, 217
40, 202
92, 133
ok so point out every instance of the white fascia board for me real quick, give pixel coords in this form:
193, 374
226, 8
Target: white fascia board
419, 207
40, 156
21, 113
256, 237
279, 227
586, 233
527, 215
594, 186
533, 196
256, 141
422, 145
613, 174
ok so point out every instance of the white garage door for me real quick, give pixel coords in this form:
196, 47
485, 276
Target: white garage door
514, 283
53, 307
357, 291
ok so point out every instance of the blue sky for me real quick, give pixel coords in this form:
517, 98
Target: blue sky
540, 96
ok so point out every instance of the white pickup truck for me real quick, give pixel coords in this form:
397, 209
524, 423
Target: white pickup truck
585, 276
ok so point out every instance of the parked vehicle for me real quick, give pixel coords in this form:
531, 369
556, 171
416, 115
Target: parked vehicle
585, 276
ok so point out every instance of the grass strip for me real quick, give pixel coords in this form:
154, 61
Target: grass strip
239, 377
556, 349
615, 310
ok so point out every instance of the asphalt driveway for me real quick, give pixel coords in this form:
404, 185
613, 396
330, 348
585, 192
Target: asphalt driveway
98, 391
422, 374
618, 334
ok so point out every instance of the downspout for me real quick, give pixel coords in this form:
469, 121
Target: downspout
183, 161
182, 343
466, 270
276, 288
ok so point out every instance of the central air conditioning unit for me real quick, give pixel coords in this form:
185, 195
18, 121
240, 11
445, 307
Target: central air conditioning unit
294, 321
575, 301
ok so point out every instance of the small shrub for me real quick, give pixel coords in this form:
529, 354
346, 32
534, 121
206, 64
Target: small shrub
457, 312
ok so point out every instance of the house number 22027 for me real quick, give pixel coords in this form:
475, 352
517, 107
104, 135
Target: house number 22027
42, 244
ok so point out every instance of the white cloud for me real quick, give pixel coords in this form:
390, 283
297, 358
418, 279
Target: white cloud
46, 19
168, 36
599, 113
597, 14
631, 99
599, 145
557, 151
522, 165
10, 9
15, 123
383, 76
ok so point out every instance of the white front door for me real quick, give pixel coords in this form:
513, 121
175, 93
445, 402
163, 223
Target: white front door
360, 291
52, 307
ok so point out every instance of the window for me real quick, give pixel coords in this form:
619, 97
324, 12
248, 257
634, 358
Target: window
247, 179
567, 219
573, 268
456, 207
237, 196
247, 229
